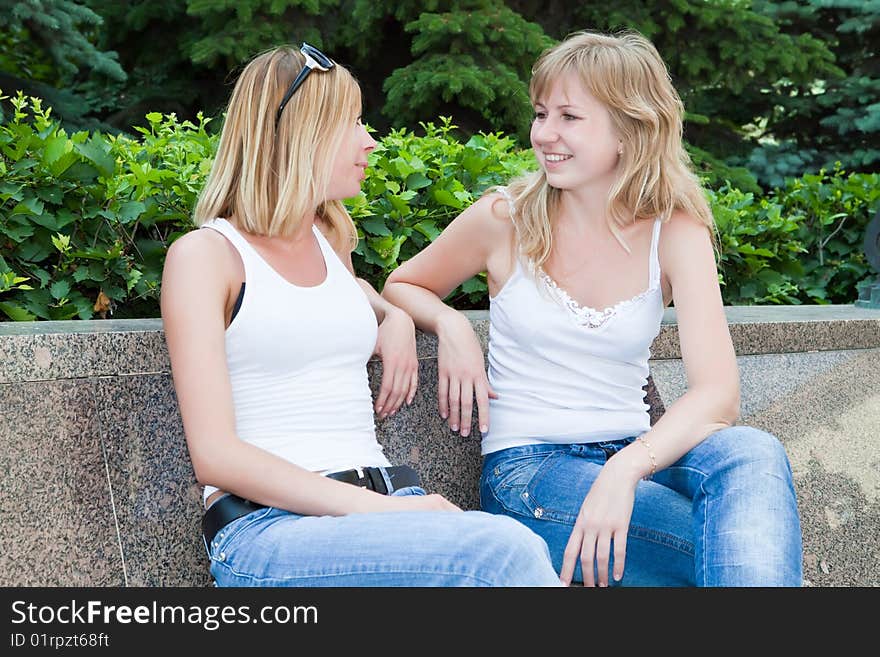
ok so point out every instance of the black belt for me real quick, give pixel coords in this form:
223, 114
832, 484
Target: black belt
231, 507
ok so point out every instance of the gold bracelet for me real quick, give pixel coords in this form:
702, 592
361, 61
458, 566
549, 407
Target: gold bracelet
647, 445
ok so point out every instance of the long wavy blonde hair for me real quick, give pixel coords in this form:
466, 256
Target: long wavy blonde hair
267, 181
626, 74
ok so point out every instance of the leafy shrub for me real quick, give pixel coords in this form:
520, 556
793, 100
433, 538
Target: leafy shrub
760, 249
416, 185
86, 219
833, 210
802, 243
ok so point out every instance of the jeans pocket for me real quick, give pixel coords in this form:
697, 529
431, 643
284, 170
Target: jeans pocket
508, 482
226, 537
552, 495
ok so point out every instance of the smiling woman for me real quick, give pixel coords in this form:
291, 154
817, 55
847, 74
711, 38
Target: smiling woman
581, 258
269, 333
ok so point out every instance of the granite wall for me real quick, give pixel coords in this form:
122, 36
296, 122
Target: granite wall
96, 487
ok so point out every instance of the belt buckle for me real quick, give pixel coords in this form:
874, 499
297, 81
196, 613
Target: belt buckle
376, 481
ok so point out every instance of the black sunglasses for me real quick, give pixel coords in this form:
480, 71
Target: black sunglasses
315, 59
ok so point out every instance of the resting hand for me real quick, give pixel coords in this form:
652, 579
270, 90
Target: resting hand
604, 516
462, 375
396, 346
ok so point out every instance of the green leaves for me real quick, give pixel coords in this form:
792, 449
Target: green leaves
416, 185
802, 243
85, 219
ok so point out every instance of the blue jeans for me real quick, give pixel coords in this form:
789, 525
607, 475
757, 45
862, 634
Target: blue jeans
725, 514
272, 547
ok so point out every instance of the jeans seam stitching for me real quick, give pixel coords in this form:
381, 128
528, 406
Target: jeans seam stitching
397, 571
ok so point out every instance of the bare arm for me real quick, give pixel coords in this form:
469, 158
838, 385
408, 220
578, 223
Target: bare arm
462, 250
194, 295
712, 399
479, 239
710, 403
395, 345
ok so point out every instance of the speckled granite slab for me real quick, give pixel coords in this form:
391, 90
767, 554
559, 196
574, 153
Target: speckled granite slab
155, 493
825, 408
43, 351
40, 351
58, 527
97, 487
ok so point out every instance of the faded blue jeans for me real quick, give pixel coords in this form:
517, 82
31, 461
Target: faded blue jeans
272, 547
725, 514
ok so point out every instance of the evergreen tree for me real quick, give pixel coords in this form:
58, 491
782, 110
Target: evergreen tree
476, 59
154, 40
47, 49
746, 70
830, 118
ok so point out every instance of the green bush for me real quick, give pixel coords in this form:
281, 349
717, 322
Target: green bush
416, 185
86, 219
800, 244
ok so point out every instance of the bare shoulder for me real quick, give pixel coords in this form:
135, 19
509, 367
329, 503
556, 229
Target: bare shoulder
199, 249
490, 216
199, 262
198, 243
684, 226
499, 207
681, 235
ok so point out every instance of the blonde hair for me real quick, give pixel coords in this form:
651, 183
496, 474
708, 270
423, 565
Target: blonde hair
267, 180
626, 74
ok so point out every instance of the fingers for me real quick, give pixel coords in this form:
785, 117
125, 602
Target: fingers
413, 385
443, 395
603, 552
402, 380
483, 395
455, 399
384, 391
454, 404
588, 555
399, 385
570, 556
467, 407
619, 555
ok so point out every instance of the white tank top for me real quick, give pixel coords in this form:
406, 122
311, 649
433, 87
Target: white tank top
566, 373
297, 361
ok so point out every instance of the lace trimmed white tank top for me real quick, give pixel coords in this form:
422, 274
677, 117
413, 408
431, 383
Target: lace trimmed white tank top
566, 373
297, 361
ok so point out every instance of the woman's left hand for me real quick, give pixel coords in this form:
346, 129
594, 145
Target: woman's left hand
604, 518
396, 346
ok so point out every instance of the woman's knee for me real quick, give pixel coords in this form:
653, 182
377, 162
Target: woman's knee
743, 446
519, 555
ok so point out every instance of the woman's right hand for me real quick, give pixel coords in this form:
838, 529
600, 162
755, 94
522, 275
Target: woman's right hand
462, 374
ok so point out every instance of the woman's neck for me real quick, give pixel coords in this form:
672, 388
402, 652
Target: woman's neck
586, 207
303, 231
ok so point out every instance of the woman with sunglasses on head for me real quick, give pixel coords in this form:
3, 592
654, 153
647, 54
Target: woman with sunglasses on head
269, 333
581, 258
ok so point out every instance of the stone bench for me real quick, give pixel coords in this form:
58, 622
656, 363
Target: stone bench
98, 490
